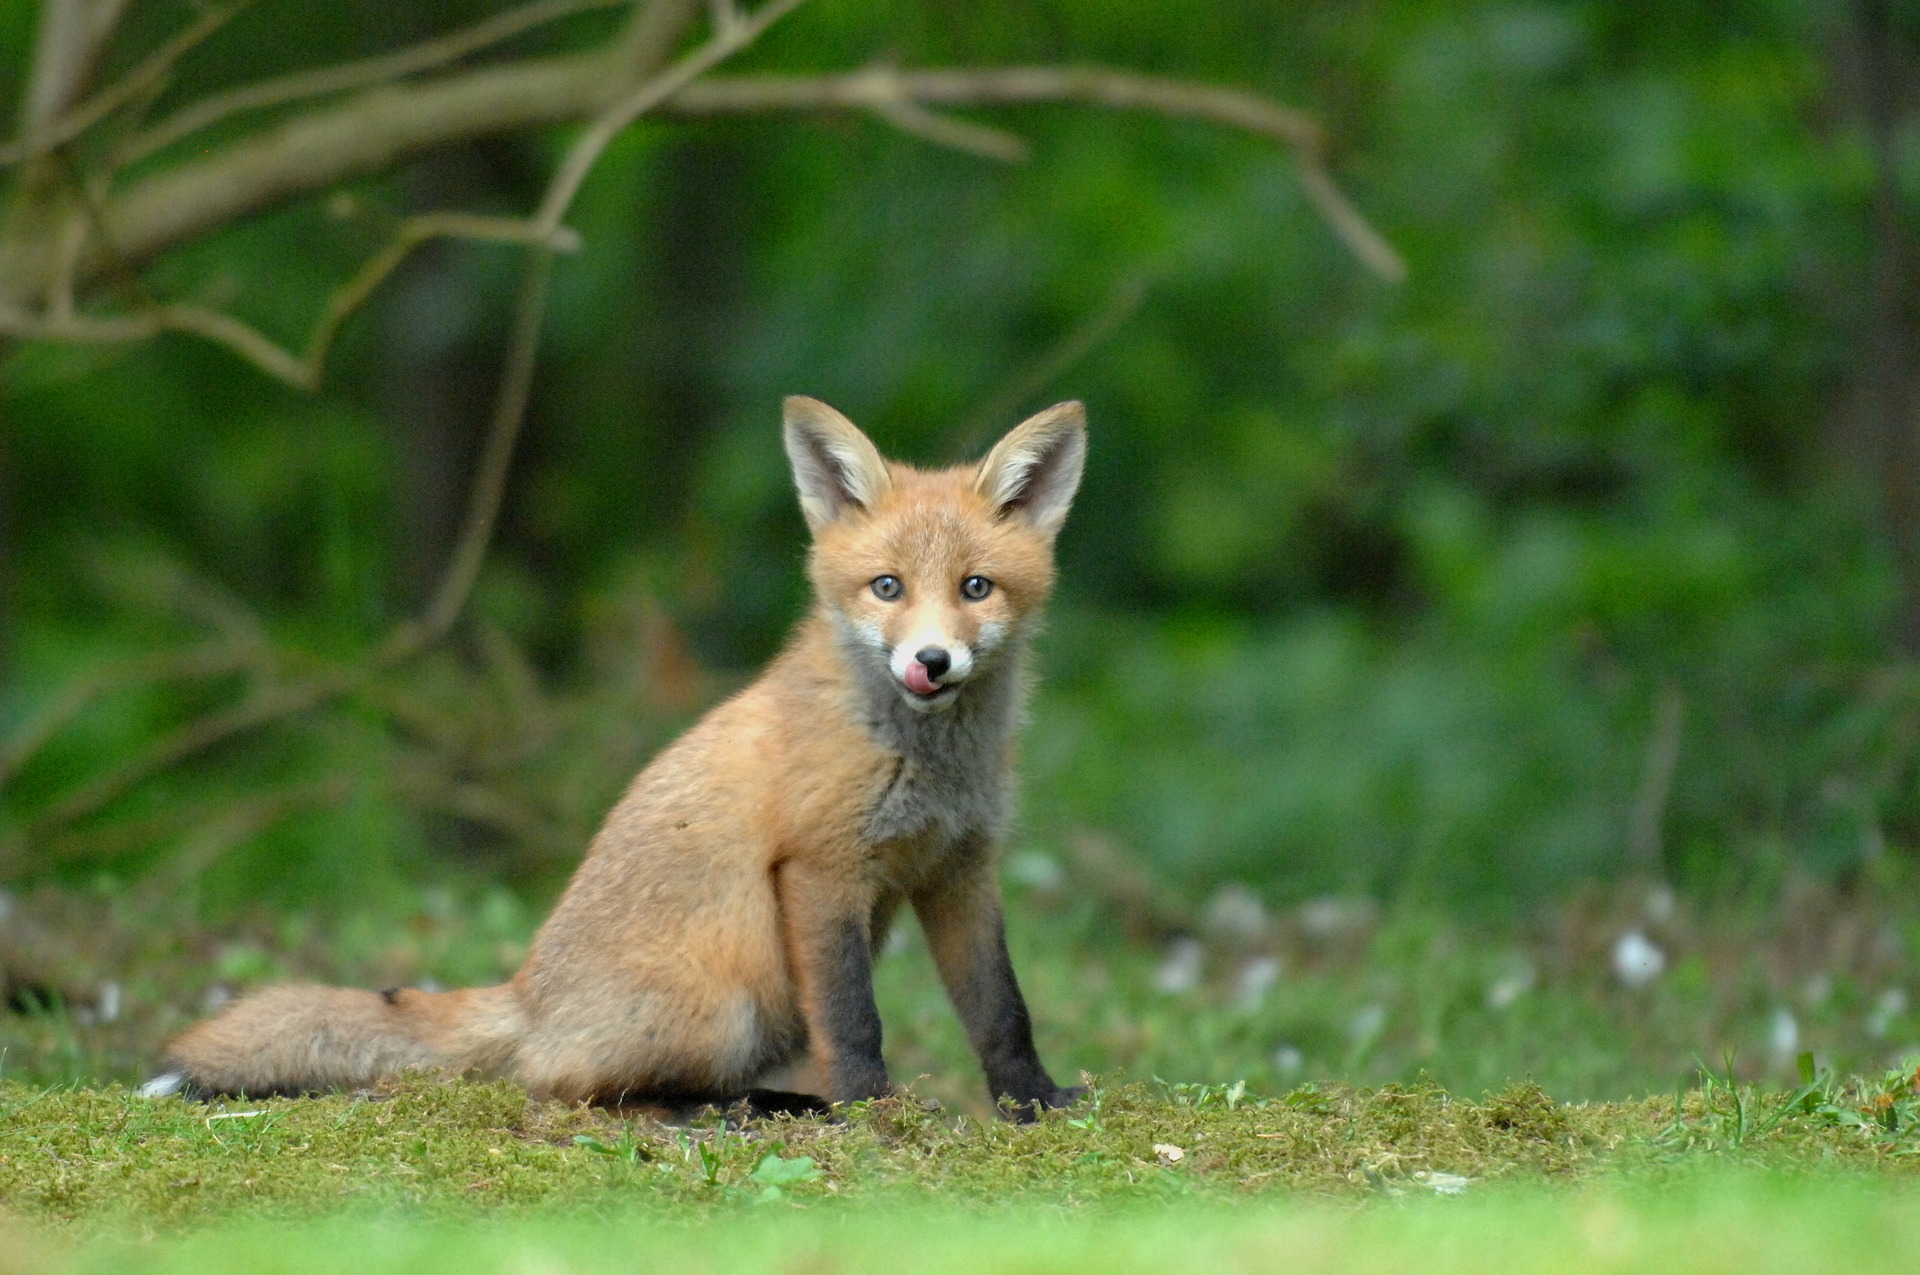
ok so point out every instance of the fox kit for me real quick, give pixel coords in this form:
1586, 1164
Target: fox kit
726, 916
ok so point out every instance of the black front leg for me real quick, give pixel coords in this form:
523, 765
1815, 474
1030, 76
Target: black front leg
967, 931
830, 953
846, 1032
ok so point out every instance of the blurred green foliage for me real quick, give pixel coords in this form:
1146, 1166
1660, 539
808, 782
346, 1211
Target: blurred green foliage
1369, 588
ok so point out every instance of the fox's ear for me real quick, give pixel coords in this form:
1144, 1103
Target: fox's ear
836, 467
1033, 472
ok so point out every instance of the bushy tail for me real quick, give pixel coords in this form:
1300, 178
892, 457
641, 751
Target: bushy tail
301, 1040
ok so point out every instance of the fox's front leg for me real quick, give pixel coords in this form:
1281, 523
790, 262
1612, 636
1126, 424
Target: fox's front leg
826, 918
966, 929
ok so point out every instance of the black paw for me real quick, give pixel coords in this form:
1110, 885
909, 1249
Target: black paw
1027, 1110
1065, 1097
761, 1103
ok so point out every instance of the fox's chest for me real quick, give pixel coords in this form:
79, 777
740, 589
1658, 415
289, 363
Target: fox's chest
927, 810
949, 786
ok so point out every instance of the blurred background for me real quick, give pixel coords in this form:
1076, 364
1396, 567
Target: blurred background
1567, 590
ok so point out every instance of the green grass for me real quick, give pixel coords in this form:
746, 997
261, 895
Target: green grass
94, 1159
1234, 1163
1744, 1224
1390, 1061
1346, 994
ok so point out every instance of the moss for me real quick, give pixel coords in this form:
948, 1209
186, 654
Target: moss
91, 1159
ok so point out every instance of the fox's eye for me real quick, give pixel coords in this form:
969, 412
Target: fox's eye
976, 587
888, 588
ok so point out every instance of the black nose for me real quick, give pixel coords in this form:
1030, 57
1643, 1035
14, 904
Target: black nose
936, 659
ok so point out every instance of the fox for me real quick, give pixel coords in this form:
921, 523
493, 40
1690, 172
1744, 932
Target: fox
725, 918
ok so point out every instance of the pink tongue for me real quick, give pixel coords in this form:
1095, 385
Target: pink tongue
917, 680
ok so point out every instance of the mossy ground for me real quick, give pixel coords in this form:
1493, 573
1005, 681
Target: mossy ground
1428, 1039
103, 1159
436, 1175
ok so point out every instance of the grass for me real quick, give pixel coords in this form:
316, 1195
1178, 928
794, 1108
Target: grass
468, 1178
1744, 1224
94, 1159
1226, 990
1463, 1089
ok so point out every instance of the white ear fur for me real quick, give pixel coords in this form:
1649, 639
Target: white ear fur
1033, 472
836, 467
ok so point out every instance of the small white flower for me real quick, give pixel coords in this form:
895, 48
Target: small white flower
1255, 980
1783, 1036
1890, 1005
1511, 986
1636, 961
1331, 917
1037, 870
1443, 1183
1234, 912
1180, 968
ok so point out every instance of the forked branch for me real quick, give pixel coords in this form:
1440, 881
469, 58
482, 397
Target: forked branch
545, 234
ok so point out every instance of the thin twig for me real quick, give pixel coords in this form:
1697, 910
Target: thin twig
1656, 780
912, 118
383, 69
156, 66
490, 482
517, 373
221, 824
881, 88
215, 660
1054, 362
193, 738
302, 371
238, 824
613, 121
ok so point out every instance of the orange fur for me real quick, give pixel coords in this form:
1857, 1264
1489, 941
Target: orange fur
723, 917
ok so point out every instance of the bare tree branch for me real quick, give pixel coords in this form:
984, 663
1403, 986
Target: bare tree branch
369, 132
301, 371
449, 599
72, 241
66, 49
153, 69
655, 35
387, 67
882, 89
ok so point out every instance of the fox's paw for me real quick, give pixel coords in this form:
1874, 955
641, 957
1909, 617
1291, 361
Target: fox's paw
1065, 1096
1027, 1110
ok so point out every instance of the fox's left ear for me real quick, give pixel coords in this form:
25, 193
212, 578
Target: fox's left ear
1033, 472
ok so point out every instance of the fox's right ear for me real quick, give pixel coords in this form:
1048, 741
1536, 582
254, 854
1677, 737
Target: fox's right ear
836, 467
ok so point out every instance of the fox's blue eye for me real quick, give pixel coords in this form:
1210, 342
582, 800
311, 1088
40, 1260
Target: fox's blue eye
888, 588
973, 588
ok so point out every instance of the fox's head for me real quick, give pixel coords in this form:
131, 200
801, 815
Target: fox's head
933, 574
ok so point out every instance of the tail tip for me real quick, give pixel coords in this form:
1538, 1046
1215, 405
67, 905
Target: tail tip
167, 1084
